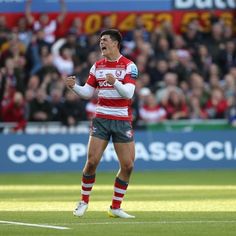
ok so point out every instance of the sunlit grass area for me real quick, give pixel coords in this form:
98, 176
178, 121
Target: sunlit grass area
164, 203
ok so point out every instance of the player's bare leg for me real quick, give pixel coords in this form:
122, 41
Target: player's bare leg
126, 155
96, 148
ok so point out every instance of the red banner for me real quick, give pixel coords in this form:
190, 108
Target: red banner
124, 21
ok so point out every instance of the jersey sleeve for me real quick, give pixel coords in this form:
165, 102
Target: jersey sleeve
92, 79
131, 74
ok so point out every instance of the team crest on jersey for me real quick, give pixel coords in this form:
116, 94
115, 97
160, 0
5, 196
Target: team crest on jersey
118, 73
129, 133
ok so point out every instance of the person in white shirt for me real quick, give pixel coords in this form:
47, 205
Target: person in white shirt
49, 26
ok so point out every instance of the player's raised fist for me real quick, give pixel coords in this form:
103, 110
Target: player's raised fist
70, 81
110, 78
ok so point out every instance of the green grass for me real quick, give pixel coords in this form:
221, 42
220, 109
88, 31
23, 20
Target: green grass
165, 203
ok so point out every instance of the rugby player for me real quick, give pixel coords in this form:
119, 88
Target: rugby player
114, 77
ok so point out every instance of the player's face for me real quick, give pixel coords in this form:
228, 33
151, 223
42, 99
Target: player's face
107, 46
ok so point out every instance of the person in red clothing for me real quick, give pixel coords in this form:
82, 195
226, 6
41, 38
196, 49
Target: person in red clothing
14, 111
216, 106
175, 104
114, 77
151, 112
44, 23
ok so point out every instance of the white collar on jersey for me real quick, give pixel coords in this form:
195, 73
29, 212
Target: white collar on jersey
115, 60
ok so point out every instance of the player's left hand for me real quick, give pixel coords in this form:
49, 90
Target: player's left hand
110, 79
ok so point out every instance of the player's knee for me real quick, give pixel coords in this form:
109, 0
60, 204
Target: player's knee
91, 164
128, 167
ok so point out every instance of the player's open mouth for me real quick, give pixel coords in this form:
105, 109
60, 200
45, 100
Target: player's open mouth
103, 48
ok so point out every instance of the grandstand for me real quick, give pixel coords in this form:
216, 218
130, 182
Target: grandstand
189, 69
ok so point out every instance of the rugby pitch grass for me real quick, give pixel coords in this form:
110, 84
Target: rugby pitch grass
197, 203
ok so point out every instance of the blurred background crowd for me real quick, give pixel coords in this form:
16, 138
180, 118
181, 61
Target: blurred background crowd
188, 75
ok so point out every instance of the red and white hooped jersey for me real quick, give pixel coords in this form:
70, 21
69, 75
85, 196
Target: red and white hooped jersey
111, 105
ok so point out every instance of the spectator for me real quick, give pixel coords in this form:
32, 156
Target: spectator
229, 87
13, 75
2, 84
56, 101
196, 111
4, 30
48, 26
216, 106
29, 97
170, 81
228, 33
36, 52
231, 113
73, 109
77, 42
175, 104
227, 56
14, 111
203, 59
34, 82
157, 72
232, 72
76, 29
215, 41
24, 33
214, 82
140, 29
40, 108
161, 49
143, 93
198, 89
192, 36
12, 48
144, 79
64, 61
186, 65
52, 80
141, 62
213, 71
151, 112
107, 22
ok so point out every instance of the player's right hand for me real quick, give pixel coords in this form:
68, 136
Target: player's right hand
70, 81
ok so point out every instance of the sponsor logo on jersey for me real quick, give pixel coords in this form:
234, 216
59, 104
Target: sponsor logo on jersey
134, 71
103, 84
100, 74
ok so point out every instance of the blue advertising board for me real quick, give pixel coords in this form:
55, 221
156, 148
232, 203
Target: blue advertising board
154, 151
18, 6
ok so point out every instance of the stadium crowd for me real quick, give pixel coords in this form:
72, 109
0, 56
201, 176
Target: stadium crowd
191, 75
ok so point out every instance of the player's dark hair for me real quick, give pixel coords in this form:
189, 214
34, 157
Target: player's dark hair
114, 34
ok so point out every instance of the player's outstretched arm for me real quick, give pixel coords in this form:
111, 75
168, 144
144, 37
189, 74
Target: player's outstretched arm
85, 91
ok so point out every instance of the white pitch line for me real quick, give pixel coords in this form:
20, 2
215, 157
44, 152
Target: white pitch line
33, 225
158, 222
